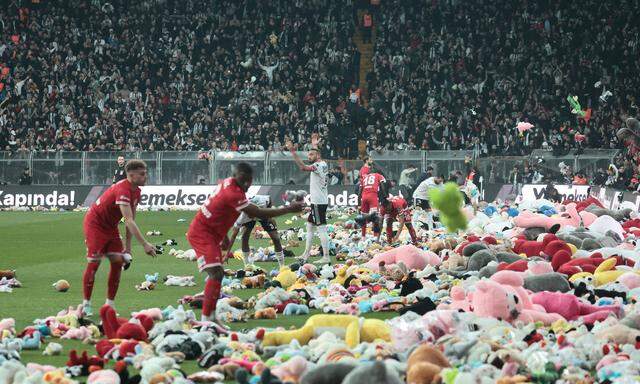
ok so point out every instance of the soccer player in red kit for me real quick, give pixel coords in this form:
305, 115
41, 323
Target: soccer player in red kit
370, 188
208, 231
397, 208
101, 231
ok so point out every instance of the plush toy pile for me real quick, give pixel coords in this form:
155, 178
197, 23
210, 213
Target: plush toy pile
533, 292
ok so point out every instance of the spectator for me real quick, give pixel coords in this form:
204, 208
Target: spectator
367, 26
119, 173
552, 194
580, 179
25, 178
407, 180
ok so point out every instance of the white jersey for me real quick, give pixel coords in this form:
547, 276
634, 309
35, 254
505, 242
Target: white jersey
262, 201
318, 183
422, 190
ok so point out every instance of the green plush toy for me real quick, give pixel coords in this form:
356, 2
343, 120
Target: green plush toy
448, 201
576, 108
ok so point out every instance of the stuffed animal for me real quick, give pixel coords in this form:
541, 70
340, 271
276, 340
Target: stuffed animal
286, 277
254, 281
330, 373
373, 373
291, 370
603, 274
61, 286
571, 217
571, 308
507, 302
296, 309
180, 281
7, 273
424, 365
411, 256
449, 201
267, 313
103, 376
625, 331
52, 349
351, 327
121, 328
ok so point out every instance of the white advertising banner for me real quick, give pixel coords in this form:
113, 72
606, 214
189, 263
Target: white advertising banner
180, 197
567, 192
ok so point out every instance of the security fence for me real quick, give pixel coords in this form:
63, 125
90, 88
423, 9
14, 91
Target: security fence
189, 168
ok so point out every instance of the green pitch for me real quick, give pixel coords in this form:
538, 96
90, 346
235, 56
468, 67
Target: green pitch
45, 247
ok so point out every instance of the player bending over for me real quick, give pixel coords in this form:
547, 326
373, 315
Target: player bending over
208, 231
101, 231
248, 223
397, 207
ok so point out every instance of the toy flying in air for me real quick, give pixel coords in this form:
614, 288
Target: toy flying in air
448, 201
576, 109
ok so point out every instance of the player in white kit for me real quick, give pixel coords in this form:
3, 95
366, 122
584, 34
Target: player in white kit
317, 220
248, 223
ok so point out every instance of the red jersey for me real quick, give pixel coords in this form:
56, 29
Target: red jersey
371, 184
217, 215
364, 171
398, 206
105, 212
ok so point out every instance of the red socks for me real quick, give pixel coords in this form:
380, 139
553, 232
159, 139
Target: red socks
389, 231
114, 280
211, 295
412, 233
88, 278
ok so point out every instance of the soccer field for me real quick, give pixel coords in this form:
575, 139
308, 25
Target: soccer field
44, 247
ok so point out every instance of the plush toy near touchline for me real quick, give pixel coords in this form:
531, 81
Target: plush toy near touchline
345, 326
424, 365
409, 255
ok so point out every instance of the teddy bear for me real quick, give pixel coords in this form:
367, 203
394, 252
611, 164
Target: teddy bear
571, 308
266, 313
61, 285
353, 329
604, 273
409, 255
506, 301
330, 373
254, 281
570, 217
295, 309
377, 372
118, 328
7, 273
424, 364
624, 331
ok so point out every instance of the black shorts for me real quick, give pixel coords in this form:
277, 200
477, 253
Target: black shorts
267, 225
424, 204
318, 214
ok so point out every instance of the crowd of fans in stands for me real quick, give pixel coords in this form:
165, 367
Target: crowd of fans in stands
242, 75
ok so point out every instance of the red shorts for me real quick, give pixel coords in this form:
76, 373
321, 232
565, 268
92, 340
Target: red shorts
100, 242
207, 248
369, 203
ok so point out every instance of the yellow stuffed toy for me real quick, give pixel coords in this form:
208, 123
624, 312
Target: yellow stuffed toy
286, 277
605, 273
352, 328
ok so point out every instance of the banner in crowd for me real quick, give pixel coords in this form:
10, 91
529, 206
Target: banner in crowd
567, 192
65, 197
338, 195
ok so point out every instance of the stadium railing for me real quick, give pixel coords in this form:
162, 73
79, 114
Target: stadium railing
189, 168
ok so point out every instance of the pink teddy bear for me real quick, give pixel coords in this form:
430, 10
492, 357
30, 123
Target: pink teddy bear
571, 217
572, 308
508, 301
79, 333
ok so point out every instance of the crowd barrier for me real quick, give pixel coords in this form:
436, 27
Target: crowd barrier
190, 197
273, 168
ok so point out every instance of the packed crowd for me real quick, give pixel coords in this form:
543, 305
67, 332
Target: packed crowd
172, 75
454, 75
189, 75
